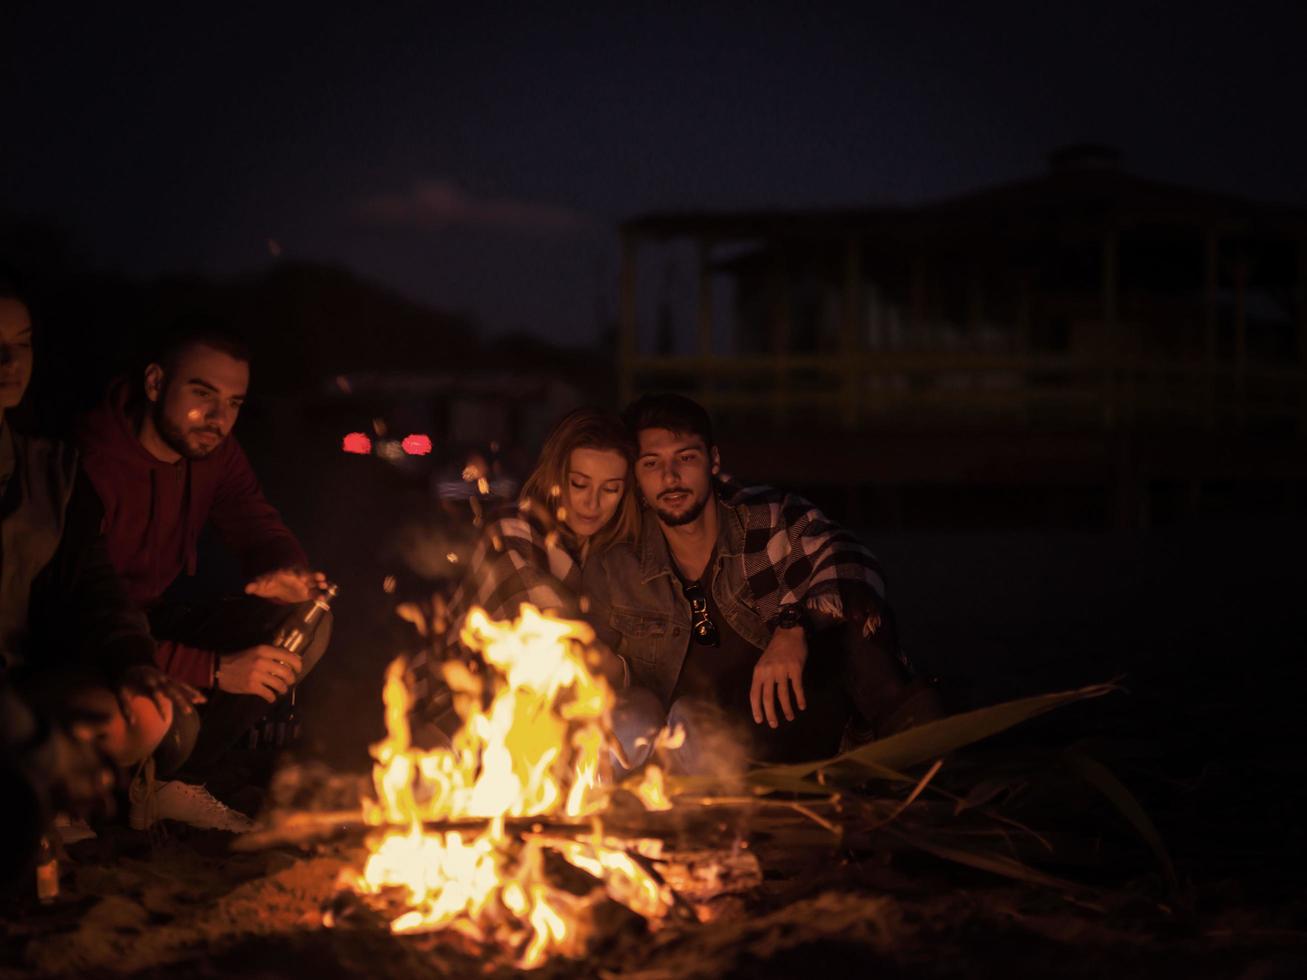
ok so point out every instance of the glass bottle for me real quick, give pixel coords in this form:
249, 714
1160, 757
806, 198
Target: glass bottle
47, 871
297, 633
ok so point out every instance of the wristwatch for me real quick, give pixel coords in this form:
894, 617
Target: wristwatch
790, 617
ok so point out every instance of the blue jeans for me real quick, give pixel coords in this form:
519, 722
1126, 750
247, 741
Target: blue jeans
694, 724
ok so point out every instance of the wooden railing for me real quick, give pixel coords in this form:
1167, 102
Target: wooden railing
959, 388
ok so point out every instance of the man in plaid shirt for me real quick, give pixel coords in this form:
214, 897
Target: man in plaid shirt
742, 610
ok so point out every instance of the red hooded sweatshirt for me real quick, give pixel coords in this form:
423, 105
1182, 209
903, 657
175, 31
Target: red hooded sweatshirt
154, 512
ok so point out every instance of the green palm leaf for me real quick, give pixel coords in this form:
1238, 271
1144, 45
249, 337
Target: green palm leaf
1103, 780
887, 757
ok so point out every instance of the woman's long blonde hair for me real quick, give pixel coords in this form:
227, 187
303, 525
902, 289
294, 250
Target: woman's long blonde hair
585, 428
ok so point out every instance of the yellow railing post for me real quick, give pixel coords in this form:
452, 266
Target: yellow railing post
627, 339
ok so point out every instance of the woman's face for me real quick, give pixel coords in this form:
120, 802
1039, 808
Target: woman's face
595, 483
15, 351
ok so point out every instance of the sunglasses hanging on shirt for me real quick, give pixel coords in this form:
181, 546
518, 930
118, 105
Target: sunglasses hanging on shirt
702, 627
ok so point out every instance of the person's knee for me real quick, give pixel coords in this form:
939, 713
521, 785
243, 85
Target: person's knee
636, 719
869, 665
125, 738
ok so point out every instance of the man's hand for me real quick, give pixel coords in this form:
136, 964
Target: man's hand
153, 683
287, 585
780, 666
264, 671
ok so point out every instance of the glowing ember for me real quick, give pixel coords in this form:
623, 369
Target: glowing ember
533, 743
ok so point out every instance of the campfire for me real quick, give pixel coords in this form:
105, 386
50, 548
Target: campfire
514, 840
511, 846
457, 844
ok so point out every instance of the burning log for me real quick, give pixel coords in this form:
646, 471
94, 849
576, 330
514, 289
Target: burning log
703, 875
463, 837
700, 821
298, 829
462, 831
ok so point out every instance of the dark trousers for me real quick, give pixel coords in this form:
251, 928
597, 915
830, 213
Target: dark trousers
851, 683
227, 626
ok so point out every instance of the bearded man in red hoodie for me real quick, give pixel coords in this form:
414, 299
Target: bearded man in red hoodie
161, 455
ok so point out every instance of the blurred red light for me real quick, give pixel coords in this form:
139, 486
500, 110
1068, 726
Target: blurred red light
416, 445
358, 443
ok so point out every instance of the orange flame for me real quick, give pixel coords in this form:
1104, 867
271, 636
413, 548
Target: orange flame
538, 748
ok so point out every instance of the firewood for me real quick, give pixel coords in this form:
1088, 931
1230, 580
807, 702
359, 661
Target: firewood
305, 828
699, 876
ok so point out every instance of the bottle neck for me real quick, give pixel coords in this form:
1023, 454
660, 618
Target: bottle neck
321, 606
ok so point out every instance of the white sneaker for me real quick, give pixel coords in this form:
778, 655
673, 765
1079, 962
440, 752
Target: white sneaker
185, 803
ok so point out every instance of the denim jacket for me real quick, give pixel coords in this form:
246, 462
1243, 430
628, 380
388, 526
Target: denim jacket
638, 609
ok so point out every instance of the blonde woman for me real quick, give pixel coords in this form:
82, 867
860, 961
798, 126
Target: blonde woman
576, 502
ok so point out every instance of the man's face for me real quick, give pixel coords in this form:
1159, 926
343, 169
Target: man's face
15, 351
195, 405
675, 471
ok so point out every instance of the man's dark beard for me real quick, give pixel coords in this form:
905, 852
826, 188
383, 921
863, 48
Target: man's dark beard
689, 517
174, 437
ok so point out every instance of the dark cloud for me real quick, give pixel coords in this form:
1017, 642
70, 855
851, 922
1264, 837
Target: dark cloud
534, 134
442, 203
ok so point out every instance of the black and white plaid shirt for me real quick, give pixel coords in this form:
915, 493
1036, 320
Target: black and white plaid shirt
520, 557
795, 556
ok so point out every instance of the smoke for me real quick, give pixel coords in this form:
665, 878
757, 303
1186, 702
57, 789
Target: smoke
704, 741
435, 551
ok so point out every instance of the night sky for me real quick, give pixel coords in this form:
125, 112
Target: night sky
478, 159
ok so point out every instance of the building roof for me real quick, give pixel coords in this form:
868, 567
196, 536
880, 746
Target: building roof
1084, 185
